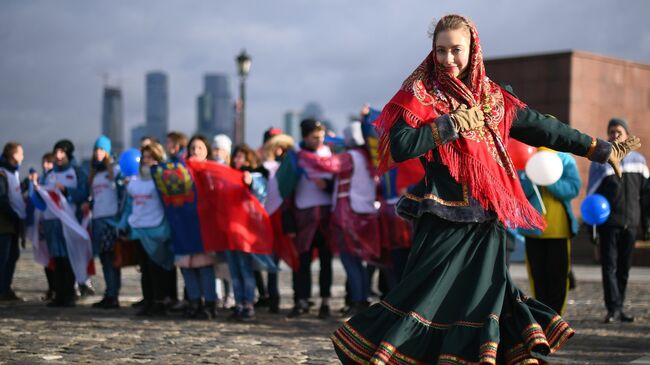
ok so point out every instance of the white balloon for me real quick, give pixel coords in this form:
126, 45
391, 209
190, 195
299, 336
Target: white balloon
544, 168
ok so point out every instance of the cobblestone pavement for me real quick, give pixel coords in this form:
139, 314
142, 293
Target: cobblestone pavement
30, 333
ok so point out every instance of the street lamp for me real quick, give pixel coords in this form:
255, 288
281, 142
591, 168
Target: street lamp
243, 67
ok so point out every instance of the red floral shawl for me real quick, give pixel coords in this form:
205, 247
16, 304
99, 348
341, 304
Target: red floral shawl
479, 158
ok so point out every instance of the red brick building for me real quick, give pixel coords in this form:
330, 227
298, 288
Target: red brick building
583, 89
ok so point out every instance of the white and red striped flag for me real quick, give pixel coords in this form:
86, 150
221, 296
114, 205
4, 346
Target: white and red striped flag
77, 239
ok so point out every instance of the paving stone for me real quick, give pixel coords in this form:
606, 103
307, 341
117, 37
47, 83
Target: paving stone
30, 333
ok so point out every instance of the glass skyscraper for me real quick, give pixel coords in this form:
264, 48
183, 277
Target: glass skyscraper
215, 107
157, 105
112, 118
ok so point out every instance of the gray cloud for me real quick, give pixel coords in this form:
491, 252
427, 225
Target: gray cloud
336, 52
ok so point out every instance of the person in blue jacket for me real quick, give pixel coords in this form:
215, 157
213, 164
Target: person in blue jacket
548, 252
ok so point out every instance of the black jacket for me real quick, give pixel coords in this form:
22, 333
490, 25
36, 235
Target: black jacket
628, 196
9, 221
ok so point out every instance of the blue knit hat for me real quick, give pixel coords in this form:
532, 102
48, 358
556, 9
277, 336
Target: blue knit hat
104, 143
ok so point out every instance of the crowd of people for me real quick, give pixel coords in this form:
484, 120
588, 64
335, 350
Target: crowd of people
319, 203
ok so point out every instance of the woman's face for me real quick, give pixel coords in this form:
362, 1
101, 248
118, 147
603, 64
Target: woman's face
47, 165
18, 156
240, 160
147, 160
198, 150
220, 154
452, 50
60, 158
100, 154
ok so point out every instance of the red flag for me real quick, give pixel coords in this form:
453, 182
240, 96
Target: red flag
230, 216
282, 244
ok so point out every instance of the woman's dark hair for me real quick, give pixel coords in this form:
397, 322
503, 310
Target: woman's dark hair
48, 157
249, 153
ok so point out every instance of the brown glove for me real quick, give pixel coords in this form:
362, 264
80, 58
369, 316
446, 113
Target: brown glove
466, 119
620, 150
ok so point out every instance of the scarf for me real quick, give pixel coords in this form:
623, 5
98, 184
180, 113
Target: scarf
479, 158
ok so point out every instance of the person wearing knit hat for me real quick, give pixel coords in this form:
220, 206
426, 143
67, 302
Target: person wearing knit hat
618, 122
66, 146
271, 132
104, 143
72, 184
103, 181
307, 126
222, 148
616, 237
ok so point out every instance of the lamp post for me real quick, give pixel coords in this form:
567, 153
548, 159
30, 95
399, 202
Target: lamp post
243, 67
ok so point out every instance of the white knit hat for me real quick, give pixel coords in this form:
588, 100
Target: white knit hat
223, 142
353, 135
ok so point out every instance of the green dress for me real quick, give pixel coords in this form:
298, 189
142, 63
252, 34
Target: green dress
456, 303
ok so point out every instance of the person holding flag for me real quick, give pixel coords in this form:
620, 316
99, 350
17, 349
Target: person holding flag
243, 264
68, 243
198, 268
313, 200
354, 224
145, 217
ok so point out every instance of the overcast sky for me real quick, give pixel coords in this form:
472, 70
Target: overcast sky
338, 53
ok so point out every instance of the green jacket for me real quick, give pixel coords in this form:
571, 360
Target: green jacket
438, 193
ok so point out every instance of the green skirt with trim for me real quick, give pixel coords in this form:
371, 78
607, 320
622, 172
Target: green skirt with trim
456, 304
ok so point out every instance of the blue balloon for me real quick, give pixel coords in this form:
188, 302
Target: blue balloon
130, 162
595, 209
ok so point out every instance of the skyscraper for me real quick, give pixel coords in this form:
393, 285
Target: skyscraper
214, 107
112, 118
292, 124
157, 108
137, 133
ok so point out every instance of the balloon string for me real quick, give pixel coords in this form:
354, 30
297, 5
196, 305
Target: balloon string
539, 197
594, 236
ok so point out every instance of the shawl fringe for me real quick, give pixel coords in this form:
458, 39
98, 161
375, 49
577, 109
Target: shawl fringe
519, 213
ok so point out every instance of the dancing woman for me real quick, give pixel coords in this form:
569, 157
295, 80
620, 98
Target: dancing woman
456, 303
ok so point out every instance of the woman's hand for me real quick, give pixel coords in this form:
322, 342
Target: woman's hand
620, 150
248, 178
466, 119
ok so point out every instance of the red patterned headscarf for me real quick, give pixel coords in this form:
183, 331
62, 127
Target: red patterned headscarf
479, 158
